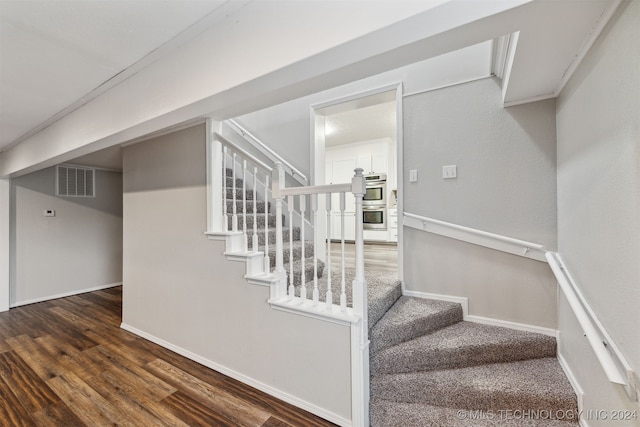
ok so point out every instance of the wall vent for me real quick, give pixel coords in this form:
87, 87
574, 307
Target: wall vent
73, 181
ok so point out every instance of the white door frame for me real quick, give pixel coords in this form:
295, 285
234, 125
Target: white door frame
317, 139
4, 243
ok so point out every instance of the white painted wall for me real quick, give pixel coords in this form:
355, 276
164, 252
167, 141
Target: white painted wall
4, 243
505, 184
77, 250
599, 201
179, 288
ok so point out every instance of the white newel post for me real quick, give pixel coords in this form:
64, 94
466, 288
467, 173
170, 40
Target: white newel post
359, 330
277, 186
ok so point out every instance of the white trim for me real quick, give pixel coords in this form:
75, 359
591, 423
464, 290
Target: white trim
573, 381
512, 325
65, 294
5, 251
434, 88
314, 409
529, 100
400, 179
307, 308
591, 39
498, 242
463, 301
364, 94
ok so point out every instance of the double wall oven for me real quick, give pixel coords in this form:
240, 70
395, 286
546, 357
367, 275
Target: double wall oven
374, 203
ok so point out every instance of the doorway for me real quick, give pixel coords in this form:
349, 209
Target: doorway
362, 131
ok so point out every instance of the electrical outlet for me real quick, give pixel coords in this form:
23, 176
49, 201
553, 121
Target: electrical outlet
449, 172
49, 212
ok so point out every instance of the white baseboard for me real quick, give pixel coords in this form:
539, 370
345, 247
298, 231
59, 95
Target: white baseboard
66, 294
513, 325
316, 410
575, 385
463, 301
479, 319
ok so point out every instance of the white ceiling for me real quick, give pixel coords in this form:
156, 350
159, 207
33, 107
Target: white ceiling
54, 53
58, 55
367, 123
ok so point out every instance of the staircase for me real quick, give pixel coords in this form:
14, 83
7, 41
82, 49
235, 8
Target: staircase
265, 218
431, 368
428, 367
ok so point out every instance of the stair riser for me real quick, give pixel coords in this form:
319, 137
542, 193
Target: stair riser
239, 182
470, 399
413, 328
239, 207
297, 253
239, 195
272, 236
260, 224
462, 345
297, 277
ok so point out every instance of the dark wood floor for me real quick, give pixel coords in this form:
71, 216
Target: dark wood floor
66, 362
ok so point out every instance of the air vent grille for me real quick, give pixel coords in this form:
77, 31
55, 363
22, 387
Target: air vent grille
72, 181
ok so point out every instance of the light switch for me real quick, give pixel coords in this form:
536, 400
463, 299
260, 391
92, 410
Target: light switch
449, 172
413, 175
49, 212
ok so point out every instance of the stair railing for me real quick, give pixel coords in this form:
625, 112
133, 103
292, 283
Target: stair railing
239, 163
285, 293
267, 151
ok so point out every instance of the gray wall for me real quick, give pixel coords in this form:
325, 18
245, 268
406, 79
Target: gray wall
506, 160
179, 287
77, 250
599, 199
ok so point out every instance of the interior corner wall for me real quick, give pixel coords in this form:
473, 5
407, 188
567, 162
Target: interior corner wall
506, 184
4, 243
599, 201
77, 250
180, 289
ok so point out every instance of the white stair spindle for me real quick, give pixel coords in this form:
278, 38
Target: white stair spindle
343, 283
234, 219
254, 245
292, 288
314, 209
303, 276
267, 261
329, 299
244, 206
225, 216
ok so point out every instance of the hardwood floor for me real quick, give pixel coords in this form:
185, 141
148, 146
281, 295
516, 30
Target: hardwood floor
66, 362
382, 257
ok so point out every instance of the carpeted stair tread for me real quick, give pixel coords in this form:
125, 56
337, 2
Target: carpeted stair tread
537, 384
398, 414
412, 317
463, 344
297, 273
297, 251
272, 236
379, 285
